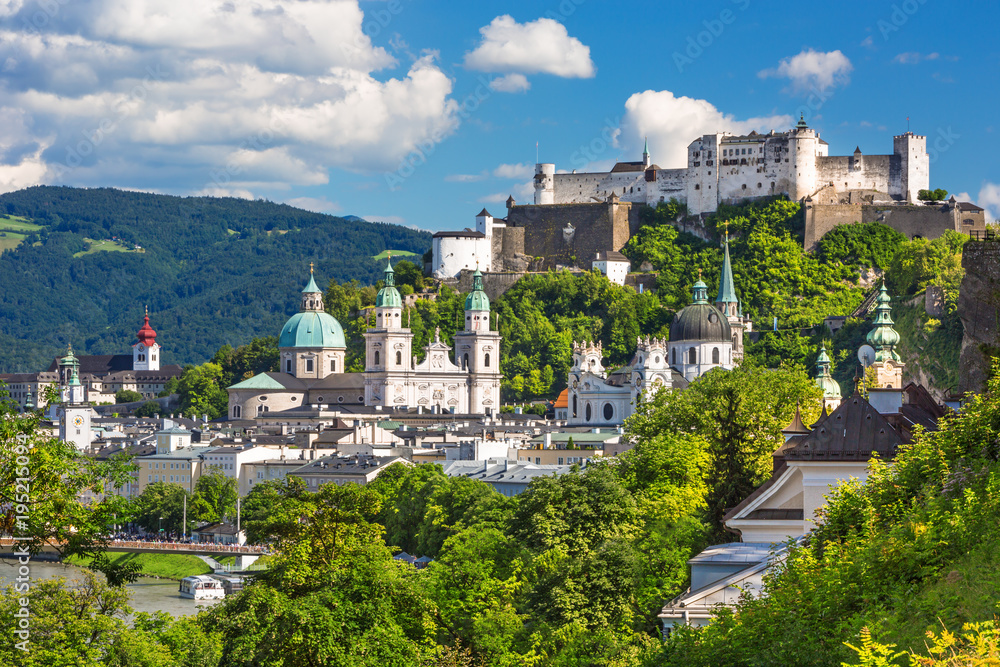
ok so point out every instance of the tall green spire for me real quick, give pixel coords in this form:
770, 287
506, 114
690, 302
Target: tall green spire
883, 337
727, 290
477, 299
388, 296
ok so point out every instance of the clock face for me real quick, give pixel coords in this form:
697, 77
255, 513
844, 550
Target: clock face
78, 421
141, 347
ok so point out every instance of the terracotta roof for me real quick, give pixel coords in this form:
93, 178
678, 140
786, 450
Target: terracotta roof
563, 400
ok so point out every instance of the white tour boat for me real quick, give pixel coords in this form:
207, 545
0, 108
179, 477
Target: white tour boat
202, 587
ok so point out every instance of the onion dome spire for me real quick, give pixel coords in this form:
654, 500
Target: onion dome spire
477, 299
700, 290
146, 335
388, 296
883, 337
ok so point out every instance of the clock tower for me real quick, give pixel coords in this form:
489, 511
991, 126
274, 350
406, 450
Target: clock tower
146, 352
74, 423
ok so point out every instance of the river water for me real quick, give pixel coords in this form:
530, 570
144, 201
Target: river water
148, 594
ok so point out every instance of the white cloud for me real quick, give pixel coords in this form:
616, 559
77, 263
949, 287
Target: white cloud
812, 71
515, 171
989, 199
466, 178
542, 46
230, 97
671, 123
510, 83
912, 57
315, 204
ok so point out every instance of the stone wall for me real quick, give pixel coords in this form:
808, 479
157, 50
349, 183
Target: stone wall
821, 218
928, 222
568, 234
979, 309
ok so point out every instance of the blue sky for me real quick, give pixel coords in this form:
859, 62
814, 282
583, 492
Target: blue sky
422, 113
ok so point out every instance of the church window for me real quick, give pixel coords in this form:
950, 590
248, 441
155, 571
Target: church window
673, 354
465, 361
309, 365
715, 355
333, 365
487, 360
589, 412
574, 407
692, 356
288, 366
399, 358
376, 357
609, 412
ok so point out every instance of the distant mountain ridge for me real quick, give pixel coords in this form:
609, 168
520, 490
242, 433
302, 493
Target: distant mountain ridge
212, 270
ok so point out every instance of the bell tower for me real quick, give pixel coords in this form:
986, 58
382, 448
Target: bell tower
74, 422
146, 352
388, 346
477, 350
888, 365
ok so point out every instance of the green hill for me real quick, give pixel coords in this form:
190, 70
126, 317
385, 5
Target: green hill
79, 265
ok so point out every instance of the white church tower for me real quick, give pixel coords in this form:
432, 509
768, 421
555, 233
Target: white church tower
388, 346
74, 418
146, 352
477, 350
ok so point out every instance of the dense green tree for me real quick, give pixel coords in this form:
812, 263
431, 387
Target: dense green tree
215, 495
127, 396
202, 391
148, 409
161, 506
870, 244
258, 356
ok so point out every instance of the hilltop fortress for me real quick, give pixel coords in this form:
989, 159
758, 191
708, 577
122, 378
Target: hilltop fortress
576, 217
726, 169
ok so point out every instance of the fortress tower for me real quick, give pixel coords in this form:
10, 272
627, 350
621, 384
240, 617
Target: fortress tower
914, 164
545, 183
802, 145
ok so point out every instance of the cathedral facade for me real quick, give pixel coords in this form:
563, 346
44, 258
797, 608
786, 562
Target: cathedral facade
312, 352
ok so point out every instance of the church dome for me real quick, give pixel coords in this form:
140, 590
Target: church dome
388, 296
312, 329
146, 334
477, 299
700, 322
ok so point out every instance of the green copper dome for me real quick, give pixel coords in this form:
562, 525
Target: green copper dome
70, 358
823, 380
883, 337
477, 299
388, 296
312, 329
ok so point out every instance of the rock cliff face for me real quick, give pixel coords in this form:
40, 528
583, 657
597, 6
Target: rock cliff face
979, 308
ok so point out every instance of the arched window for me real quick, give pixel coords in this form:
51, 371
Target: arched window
465, 361
589, 412
399, 358
715, 355
574, 406
693, 356
376, 357
487, 360
236, 412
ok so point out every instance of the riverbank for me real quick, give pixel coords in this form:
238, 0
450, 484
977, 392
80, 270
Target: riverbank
163, 566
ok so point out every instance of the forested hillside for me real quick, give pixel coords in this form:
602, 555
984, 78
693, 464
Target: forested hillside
212, 270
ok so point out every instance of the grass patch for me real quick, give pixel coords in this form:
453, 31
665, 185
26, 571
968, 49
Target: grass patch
397, 253
17, 224
101, 246
166, 566
10, 240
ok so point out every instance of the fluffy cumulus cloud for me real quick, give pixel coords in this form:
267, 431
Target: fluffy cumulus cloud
220, 97
812, 71
542, 46
989, 199
671, 123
